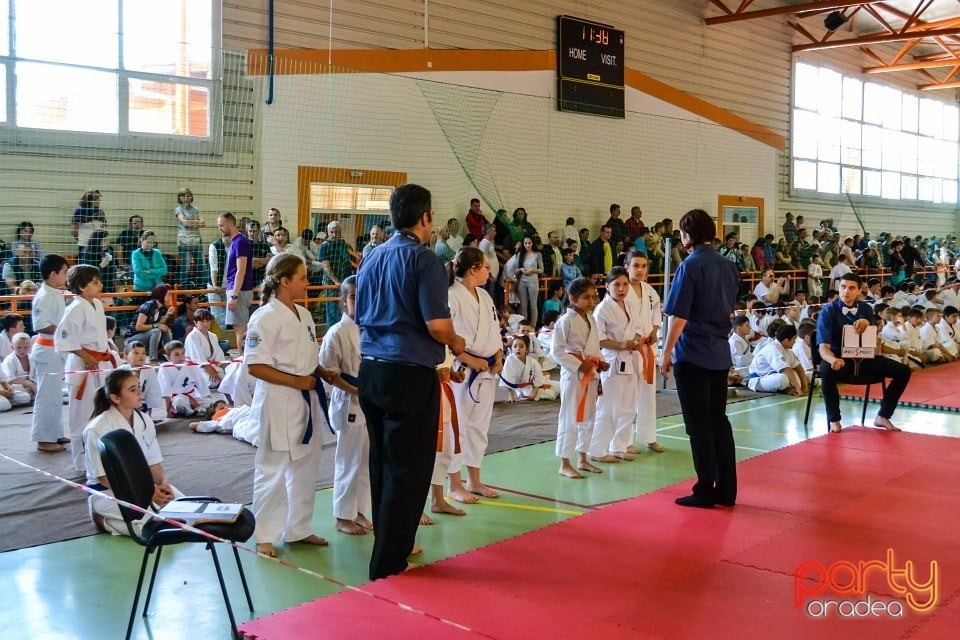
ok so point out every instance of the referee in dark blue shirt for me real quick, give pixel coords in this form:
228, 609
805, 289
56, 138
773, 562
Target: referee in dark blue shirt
847, 310
404, 324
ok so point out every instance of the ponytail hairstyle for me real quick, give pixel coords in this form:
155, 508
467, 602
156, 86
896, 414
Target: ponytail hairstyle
113, 386
348, 283
282, 265
466, 259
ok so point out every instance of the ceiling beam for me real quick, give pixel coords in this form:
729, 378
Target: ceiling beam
779, 11
913, 66
939, 85
878, 38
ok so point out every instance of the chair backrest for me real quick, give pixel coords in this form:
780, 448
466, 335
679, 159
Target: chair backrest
127, 471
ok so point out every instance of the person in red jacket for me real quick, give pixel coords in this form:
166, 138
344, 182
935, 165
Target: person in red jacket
475, 218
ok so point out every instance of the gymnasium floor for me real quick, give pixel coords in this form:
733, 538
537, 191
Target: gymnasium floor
83, 588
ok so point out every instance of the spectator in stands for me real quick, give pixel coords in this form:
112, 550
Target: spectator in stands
442, 247
216, 264
522, 226
475, 219
183, 322
99, 254
569, 232
759, 255
640, 242
781, 256
151, 325
489, 249
790, 231
731, 252
454, 239
634, 224
584, 254
189, 243
335, 261
22, 266
273, 222
748, 264
896, 263
770, 288
769, 249
306, 244
601, 252
618, 228
376, 239
552, 255
261, 253
530, 267
847, 250
87, 218
128, 241
24, 235
149, 267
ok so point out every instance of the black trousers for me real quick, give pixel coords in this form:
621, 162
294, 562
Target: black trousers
402, 405
703, 401
897, 372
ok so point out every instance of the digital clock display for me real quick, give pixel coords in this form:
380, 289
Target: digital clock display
590, 67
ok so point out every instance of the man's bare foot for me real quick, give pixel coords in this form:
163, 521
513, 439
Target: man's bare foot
446, 507
425, 520
411, 566
622, 455
194, 425
482, 490
417, 550
835, 427
656, 447
50, 447
590, 468
364, 522
570, 472
267, 549
884, 423
462, 494
313, 539
633, 450
350, 527
609, 458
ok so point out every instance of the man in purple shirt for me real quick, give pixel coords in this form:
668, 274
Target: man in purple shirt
239, 275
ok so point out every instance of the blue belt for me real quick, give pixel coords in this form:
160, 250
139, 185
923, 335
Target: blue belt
318, 387
508, 383
97, 486
349, 379
474, 373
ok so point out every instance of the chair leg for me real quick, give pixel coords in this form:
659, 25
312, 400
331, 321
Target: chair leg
153, 577
223, 589
863, 414
243, 579
806, 415
136, 595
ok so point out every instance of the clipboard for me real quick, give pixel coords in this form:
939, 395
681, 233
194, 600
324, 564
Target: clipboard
192, 512
859, 345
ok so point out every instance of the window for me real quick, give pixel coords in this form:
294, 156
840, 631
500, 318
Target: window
132, 69
869, 139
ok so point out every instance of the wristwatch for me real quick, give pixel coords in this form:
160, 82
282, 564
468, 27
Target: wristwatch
234, 296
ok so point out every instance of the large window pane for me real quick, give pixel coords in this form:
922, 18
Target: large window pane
805, 90
804, 174
804, 134
947, 159
831, 84
850, 142
908, 153
951, 122
892, 101
70, 31
926, 156
950, 191
925, 189
65, 98
931, 117
872, 146
873, 96
174, 109
908, 188
891, 185
851, 180
828, 144
891, 150
172, 38
872, 183
828, 178
852, 98
4, 30
911, 111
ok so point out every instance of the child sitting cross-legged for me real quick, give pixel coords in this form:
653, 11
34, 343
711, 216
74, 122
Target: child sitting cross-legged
522, 375
181, 383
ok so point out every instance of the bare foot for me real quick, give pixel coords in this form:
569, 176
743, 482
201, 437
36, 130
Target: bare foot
425, 520
570, 472
656, 447
312, 539
884, 423
446, 507
350, 527
633, 450
267, 549
482, 490
194, 425
835, 427
417, 550
609, 458
624, 456
590, 468
461, 494
364, 522
411, 566
50, 447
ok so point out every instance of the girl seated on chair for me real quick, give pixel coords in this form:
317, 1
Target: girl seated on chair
116, 405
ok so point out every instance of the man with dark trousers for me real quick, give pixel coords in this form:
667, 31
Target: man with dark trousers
847, 310
404, 324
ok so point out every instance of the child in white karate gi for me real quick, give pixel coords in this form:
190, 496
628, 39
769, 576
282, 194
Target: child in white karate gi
741, 352
522, 376
48, 308
136, 355
181, 383
646, 306
234, 421
201, 346
17, 370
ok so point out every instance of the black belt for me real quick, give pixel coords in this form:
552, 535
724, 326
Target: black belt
381, 360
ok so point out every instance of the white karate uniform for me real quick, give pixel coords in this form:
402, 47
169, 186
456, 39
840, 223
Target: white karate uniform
443, 458
13, 370
802, 350
84, 326
6, 347
575, 335
929, 338
146, 434
204, 349
948, 336
47, 310
815, 280
617, 407
340, 352
475, 319
765, 370
183, 384
286, 467
901, 299
529, 374
235, 421
238, 383
649, 317
150, 387
545, 340
740, 353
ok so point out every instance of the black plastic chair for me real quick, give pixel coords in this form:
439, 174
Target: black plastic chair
867, 381
131, 481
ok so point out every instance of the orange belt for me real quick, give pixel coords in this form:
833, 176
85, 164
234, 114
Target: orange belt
447, 390
100, 356
585, 384
44, 341
193, 401
219, 414
649, 360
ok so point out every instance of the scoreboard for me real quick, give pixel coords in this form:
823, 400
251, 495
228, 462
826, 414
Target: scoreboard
589, 67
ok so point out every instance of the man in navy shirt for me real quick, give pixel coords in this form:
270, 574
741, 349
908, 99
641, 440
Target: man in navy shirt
404, 324
847, 310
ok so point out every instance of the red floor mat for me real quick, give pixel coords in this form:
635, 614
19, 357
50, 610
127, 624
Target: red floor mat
934, 387
647, 568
